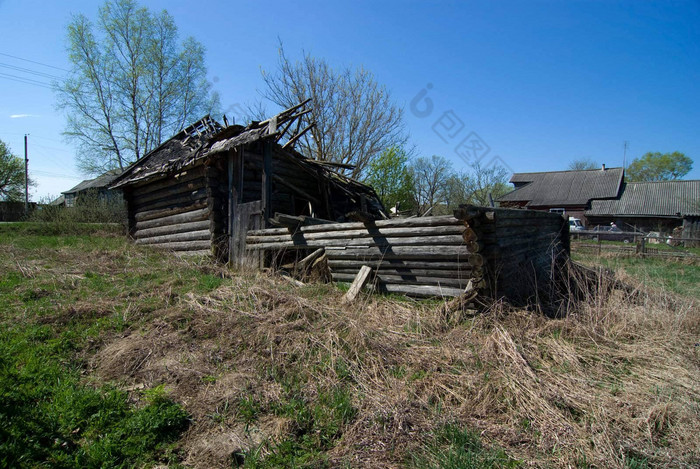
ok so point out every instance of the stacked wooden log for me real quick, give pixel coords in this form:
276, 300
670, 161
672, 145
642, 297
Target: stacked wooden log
430, 256
177, 212
522, 249
500, 252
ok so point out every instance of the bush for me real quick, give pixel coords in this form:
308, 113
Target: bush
90, 207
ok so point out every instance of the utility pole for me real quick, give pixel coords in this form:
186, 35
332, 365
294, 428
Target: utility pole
26, 177
624, 155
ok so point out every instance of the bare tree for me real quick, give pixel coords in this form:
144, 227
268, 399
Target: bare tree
486, 184
583, 163
430, 177
131, 85
355, 117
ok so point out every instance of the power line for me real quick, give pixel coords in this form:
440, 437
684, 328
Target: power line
30, 71
26, 81
52, 174
34, 62
51, 148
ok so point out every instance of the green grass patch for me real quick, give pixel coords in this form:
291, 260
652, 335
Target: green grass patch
48, 417
317, 425
675, 275
52, 314
454, 447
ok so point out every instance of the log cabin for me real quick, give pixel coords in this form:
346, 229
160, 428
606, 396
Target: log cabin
201, 190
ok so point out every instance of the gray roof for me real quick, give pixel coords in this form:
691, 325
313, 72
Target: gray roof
101, 181
60, 200
657, 199
563, 188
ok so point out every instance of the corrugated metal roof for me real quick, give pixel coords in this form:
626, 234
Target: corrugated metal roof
562, 188
661, 199
100, 181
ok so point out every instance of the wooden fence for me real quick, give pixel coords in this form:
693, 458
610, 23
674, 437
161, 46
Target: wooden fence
642, 248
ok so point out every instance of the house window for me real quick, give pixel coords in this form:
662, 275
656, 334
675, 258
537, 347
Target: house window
560, 211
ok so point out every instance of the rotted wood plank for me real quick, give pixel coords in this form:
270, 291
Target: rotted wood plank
184, 246
174, 219
359, 281
171, 238
172, 229
363, 232
405, 280
300, 242
146, 215
392, 223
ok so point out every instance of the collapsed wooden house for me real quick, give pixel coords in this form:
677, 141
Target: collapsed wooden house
240, 194
204, 188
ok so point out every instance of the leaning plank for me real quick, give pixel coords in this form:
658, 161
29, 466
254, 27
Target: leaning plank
190, 236
357, 284
308, 260
172, 229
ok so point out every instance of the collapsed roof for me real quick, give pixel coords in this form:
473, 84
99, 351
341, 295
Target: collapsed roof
207, 138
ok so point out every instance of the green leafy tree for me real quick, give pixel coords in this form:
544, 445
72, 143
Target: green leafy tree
391, 179
132, 84
656, 166
11, 175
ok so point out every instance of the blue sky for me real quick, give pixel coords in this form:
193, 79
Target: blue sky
537, 83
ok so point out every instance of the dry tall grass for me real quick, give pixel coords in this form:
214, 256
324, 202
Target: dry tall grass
617, 381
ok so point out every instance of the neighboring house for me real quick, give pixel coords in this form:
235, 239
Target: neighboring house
567, 192
652, 206
204, 188
59, 201
98, 185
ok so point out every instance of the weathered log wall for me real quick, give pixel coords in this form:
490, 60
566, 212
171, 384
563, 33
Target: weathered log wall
523, 250
181, 212
502, 252
416, 256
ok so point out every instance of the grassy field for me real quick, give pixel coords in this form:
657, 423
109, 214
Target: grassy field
116, 356
680, 276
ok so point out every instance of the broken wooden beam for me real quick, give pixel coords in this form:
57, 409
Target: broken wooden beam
357, 284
